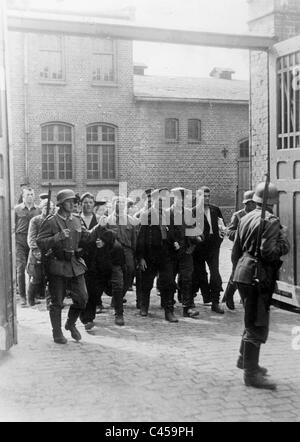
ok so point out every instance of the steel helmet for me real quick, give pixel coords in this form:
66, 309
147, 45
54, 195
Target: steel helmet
272, 193
63, 195
248, 196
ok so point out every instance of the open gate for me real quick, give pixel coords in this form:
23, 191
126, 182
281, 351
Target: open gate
7, 305
284, 72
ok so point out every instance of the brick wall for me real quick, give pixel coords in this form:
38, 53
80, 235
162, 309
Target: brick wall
191, 165
144, 158
77, 102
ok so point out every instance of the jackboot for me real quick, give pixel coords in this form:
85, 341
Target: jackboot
252, 376
70, 324
169, 316
31, 294
228, 295
189, 312
55, 318
215, 307
144, 304
240, 361
119, 320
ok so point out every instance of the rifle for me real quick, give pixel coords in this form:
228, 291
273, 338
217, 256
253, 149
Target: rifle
49, 199
44, 255
257, 273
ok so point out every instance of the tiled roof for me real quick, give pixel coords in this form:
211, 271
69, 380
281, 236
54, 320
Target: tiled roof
147, 87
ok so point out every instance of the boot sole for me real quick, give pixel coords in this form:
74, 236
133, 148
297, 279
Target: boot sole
260, 386
77, 337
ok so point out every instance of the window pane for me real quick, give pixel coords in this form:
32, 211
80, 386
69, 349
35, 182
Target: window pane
64, 161
194, 129
64, 133
93, 162
47, 161
108, 133
244, 149
171, 129
51, 65
92, 133
103, 69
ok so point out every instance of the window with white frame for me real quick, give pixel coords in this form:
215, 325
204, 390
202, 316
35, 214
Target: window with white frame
194, 130
57, 152
171, 129
101, 152
103, 61
51, 58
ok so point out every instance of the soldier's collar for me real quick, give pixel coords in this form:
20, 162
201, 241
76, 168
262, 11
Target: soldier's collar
65, 218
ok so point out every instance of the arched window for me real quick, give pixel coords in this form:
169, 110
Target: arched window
101, 152
57, 151
244, 149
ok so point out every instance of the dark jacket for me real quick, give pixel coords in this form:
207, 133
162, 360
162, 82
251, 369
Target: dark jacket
153, 235
214, 239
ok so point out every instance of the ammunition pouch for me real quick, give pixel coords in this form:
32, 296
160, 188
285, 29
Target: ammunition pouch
246, 270
67, 254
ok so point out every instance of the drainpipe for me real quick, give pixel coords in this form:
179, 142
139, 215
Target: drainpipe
26, 123
250, 127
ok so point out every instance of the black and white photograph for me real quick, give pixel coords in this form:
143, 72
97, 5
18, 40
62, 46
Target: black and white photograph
149, 214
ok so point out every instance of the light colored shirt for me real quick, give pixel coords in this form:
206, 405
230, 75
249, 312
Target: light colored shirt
208, 217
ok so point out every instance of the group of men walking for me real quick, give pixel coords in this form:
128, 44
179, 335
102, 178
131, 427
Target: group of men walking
86, 254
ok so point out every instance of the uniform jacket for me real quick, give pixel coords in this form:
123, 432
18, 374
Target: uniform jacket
274, 244
234, 222
33, 267
50, 239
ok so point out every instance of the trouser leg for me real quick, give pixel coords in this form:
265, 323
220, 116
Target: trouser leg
185, 267
22, 252
130, 268
138, 287
117, 289
94, 287
147, 276
200, 277
57, 287
215, 282
79, 295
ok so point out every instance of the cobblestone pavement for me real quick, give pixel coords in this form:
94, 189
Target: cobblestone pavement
150, 370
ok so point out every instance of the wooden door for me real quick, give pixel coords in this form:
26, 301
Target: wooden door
243, 171
285, 155
7, 302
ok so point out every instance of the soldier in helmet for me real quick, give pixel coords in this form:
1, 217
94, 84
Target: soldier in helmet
256, 260
249, 205
59, 238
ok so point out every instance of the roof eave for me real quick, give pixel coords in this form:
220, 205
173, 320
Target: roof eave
191, 100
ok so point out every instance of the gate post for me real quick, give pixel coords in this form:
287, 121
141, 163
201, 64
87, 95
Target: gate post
8, 335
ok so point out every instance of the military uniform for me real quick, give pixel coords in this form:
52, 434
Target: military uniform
65, 268
256, 297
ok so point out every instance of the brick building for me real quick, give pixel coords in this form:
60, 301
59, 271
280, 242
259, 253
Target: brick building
82, 119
